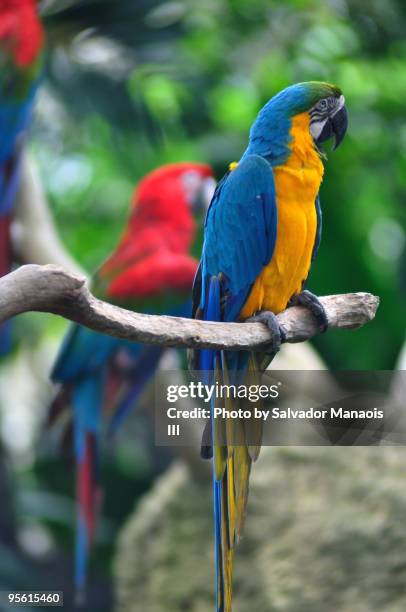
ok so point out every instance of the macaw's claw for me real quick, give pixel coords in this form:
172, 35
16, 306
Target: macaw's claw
278, 333
309, 300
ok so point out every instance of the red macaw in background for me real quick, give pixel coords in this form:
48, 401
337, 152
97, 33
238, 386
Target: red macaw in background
21, 44
151, 270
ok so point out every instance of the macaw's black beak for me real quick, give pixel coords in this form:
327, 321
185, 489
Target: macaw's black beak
340, 124
337, 126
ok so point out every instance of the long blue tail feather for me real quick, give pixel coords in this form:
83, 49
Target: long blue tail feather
212, 312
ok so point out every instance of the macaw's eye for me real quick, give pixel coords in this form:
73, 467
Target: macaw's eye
322, 105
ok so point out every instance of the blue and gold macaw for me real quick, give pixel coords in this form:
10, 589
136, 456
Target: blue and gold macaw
262, 232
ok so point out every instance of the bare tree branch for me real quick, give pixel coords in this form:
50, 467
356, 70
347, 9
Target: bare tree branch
52, 289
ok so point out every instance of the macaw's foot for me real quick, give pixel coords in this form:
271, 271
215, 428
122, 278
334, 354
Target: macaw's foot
278, 333
312, 302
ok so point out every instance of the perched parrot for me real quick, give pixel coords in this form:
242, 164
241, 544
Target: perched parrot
262, 232
151, 270
21, 44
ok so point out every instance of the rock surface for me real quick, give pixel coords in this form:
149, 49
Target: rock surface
325, 530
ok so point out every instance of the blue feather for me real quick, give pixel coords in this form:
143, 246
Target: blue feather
212, 313
5, 338
84, 351
141, 372
14, 120
217, 539
81, 555
243, 206
87, 403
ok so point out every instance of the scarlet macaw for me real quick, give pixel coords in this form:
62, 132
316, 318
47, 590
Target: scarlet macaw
262, 233
21, 43
151, 271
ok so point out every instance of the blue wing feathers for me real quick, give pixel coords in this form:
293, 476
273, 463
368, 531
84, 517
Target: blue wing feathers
85, 351
14, 120
212, 312
244, 205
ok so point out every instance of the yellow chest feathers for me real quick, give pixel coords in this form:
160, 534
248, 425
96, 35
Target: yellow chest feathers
301, 175
297, 184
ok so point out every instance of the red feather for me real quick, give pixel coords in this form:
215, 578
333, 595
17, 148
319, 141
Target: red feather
21, 33
5, 245
156, 273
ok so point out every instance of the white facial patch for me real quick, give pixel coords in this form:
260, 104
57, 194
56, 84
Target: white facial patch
341, 102
316, 128
191, 181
